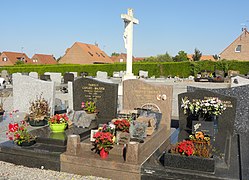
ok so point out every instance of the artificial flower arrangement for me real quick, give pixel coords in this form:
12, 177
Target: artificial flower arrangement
89, 107
122, 125
19, 133
196, 145
39, 109
210, 106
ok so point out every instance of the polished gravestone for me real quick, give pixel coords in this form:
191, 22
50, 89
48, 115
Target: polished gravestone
226, 158
241, 124
45, 152
104, 94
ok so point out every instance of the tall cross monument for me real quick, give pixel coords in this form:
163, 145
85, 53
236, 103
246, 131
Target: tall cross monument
129, 20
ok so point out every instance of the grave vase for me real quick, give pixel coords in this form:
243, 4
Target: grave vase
58, 128
103, 153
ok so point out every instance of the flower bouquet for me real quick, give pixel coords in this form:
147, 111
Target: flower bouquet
39, 112
122, 125
89, 107
19, 134
103, 143
193, 153
58, 122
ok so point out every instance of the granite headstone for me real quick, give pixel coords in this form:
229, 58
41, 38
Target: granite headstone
26, 89
104, 94
68, 77
33, 75
140, 94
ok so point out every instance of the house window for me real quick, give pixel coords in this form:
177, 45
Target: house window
238, 48
5, 58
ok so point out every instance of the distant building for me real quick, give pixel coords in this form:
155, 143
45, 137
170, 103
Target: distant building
10, 58
238, 49
81, 53
122, 58
203, 57
43, 59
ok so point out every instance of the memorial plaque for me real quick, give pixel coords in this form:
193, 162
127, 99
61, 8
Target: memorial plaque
105, 95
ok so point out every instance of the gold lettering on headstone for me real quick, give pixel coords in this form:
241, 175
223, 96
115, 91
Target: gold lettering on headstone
93, 91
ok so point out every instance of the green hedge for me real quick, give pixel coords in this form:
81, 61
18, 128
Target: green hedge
181, 69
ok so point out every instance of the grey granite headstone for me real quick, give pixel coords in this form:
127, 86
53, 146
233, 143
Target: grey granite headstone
68, 77
143, 74
33, 75
5, 75
241, 124
101, 75
105, 95
26, 89
55, 77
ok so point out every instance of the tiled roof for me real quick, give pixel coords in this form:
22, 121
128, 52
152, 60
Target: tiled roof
81, 53
95, 53
13, 57
43, 59
203, 57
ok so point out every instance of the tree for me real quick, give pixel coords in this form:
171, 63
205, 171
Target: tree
18, 62
159, 58
197, 55
164, 58
181, 56
115, 54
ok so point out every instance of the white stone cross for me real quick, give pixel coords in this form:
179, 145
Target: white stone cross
129, 20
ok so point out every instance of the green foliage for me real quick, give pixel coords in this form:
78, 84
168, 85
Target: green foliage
159, 58
181, 56
18, 62
115, 54
181, 69
197, 55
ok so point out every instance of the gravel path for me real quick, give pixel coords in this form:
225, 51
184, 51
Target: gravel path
10, 171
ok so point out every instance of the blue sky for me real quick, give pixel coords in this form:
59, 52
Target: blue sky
52, 26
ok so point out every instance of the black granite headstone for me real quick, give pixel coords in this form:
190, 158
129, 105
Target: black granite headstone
104, 94
222, 138
68, 77
45, 77
241, 125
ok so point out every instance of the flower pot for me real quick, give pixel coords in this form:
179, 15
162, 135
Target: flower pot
103, 153
56, 128
30, 143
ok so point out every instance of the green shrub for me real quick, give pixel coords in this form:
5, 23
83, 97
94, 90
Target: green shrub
181, 69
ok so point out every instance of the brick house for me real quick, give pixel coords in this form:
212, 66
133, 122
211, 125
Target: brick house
81, 53
43, 59
10, 58
238, 49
